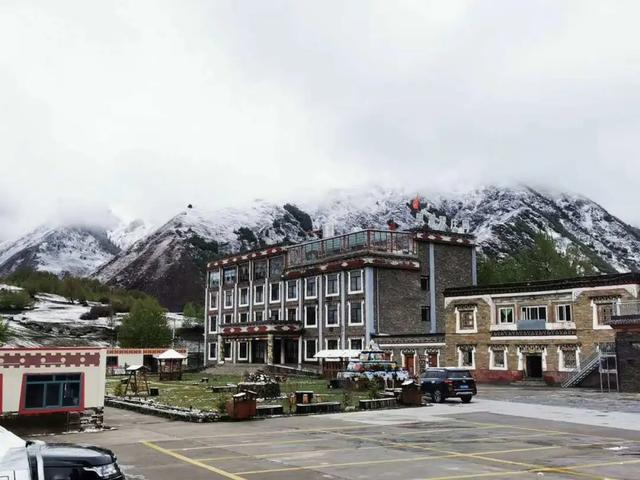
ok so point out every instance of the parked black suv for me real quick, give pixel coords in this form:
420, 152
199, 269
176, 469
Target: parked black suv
443, 383
73, 462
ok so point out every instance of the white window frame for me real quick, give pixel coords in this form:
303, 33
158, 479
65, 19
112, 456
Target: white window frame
240, 314
215, 350
286, 290
279, 310
326, 343
214, 294
224, 297
361, 281
306, 324
306, 357
315, 281
271, 285
355, 338
561, 365
246, 357
528, 307
287, 314
240, 290
326, 285
213, 322
224, 318
255, 316
473, 358
492, 364
564, 306
255, 289
326, 315
513, 315
475, 320
361, 313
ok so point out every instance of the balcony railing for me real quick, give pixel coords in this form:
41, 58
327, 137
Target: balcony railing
629, 309
374, 241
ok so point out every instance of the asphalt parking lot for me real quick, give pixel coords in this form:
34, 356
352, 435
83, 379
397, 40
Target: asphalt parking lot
450, 441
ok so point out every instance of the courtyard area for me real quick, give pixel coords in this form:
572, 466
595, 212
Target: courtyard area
485, 439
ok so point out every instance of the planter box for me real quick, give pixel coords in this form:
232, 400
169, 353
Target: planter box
320, 407
378, 403
269, 410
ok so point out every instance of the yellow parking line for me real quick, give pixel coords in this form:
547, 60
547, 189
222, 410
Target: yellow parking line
210, 468
283, 454
376, 462
478, 475
249, 444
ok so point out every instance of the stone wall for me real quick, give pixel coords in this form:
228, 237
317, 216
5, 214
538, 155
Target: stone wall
628, 351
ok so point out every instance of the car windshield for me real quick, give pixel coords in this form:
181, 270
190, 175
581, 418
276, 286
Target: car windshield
459, 374
432, 374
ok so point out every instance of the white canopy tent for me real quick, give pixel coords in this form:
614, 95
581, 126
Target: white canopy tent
13, 456
337, 354
171, 354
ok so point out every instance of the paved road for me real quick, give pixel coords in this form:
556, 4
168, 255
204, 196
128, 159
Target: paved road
484, 439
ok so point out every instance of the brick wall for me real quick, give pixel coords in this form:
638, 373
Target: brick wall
399, 300
628, 351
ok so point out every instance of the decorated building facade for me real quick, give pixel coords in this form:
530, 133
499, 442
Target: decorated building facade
281, 305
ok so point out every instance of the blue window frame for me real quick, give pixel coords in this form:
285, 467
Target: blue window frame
53, 391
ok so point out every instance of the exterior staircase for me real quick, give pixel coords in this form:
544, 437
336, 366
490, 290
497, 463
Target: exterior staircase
604, 359
586, 368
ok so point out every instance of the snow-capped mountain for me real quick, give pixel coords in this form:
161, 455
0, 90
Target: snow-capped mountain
170, 262
126, 234
78, 250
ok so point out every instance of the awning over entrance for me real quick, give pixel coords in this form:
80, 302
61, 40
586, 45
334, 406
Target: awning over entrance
338, 354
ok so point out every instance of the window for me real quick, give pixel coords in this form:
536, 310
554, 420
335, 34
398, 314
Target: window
228, 318
333, 285
568, 359
243, 351
564, 313
213, 300
275, 292
466, 357
214, 279
604, 311
425, 283
213, 351
333, 343
467, 319
244, 297
333, 315
292, 314
311, 287
355, 343
274, 315
258, 295
226, 347
243, 272
355, 281
53, 391
276, 266
229, 275
258, 316
213, 322
244, 317
228, 298
310, 349
112, 361
498, 358
534, 313
425, 313
355, 313
292, 290
311, 316
505, 315
260, 270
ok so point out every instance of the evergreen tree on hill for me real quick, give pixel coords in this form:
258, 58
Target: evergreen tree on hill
145, 326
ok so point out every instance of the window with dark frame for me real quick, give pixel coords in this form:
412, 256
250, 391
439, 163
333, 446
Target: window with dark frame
355, 281
214, 279
467, 319
467, 357
355, 313
604, 312
213, 300
213, 350
333, 316
292, 314
228, 298
564, 313
274, 315
226, 349
534, 313
275, 292
332, 284
229, 275
244, 317
259, 294
355, 343
258, 316
260, 270
311, 287
228, 318
292, 290
276, 266
310, 349
310, 318
244, 296
243, 350
52, 391
333, 343
243, 272
425, 313
505, 315
425, 283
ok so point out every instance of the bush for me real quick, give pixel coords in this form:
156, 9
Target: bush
221, 403
118, 390
15, 300
4, 332
145, 326
96, 312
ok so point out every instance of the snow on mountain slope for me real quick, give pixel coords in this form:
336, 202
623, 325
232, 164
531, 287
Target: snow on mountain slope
73, 249
126, 234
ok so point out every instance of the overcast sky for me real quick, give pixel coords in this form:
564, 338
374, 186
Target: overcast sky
143, 107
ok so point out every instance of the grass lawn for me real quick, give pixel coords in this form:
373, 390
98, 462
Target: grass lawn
191, 393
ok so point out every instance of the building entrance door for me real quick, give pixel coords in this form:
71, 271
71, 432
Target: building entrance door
259, 351
432, 359
290, 351
408, 362
534, 366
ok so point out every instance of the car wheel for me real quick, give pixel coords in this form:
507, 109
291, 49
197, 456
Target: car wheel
437, 396
466, 399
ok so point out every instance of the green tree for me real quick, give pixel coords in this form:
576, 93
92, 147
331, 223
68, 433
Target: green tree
4, 332
15, 300
145, 326
541, 261
193, 315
